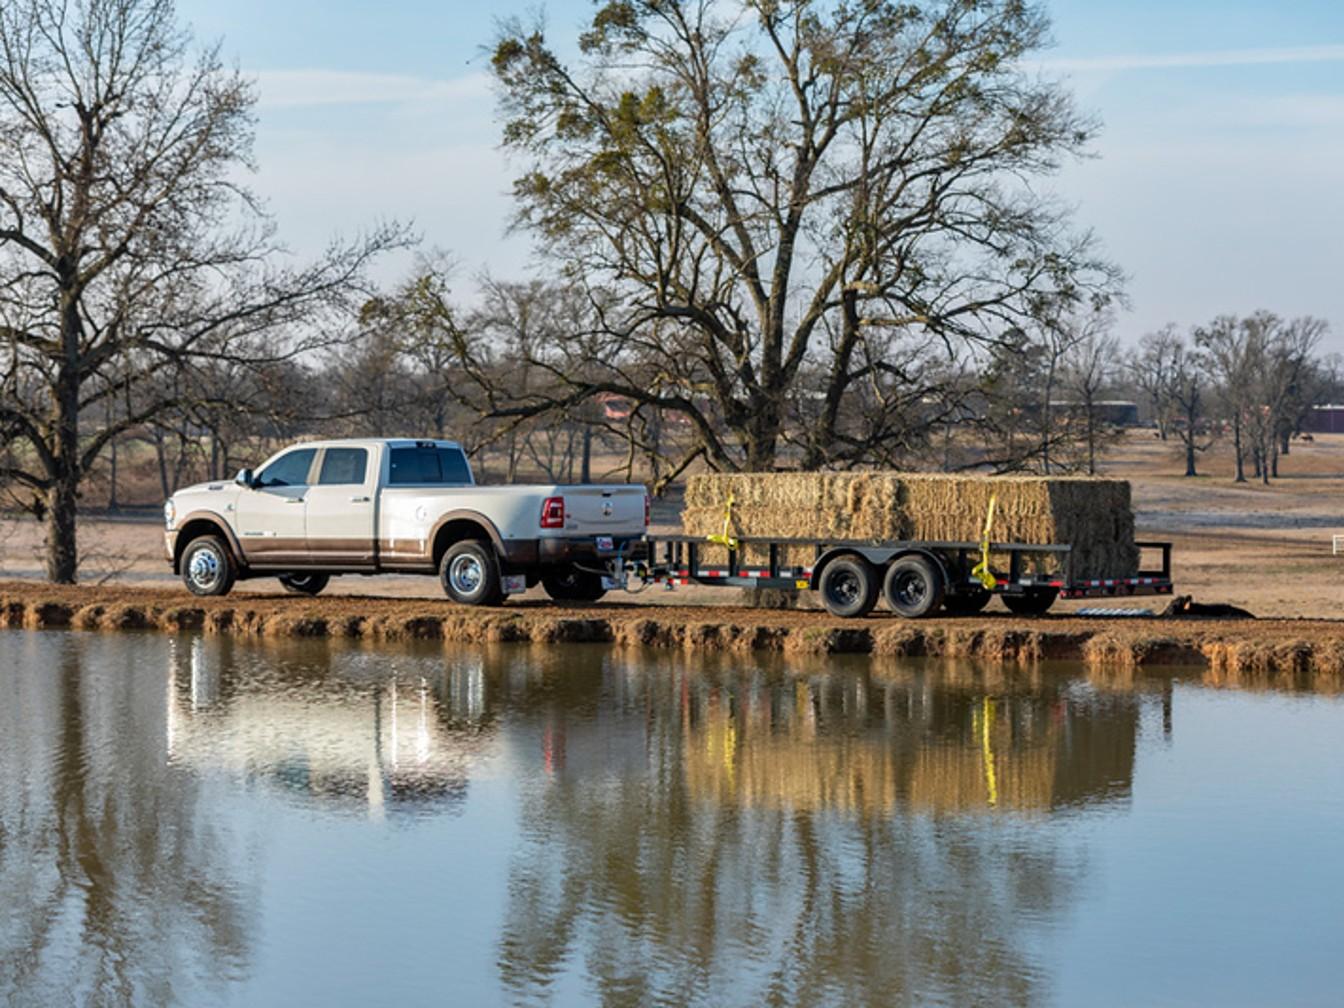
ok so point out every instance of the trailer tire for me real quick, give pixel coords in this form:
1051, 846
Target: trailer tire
208, 567
573, 586
1036, 601
304, 584
966, 603
913, 586
848, 587
469, 573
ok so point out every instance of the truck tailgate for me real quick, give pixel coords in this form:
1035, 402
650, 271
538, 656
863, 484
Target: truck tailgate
604, 510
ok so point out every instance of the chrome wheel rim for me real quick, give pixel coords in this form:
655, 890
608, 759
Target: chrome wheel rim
204, 568
465, 574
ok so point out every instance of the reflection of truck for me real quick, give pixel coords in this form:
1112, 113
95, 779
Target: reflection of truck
385, 506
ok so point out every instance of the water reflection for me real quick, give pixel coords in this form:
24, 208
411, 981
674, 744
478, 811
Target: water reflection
338, 728
720, 832
805, 840
119, 885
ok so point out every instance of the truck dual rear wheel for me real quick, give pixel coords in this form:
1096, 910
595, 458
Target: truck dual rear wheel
1035, 602
304, 584
913, 587
849, 587
574, 586
469, 573
207, 566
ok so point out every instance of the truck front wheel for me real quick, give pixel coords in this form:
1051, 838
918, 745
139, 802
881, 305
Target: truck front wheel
207, 566
469, 572
574, 586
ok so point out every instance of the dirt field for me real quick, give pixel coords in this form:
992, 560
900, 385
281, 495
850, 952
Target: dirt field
1266, 549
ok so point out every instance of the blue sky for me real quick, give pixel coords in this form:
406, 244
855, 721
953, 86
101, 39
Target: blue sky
1219, 185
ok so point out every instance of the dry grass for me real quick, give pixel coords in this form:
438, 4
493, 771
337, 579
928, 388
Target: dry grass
1093, 515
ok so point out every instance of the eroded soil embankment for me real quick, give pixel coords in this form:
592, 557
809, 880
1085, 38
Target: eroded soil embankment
1293, 653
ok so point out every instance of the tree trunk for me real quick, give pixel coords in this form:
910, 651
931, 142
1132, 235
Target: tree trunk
1190, 456
112, 503
586, 469
1238, 451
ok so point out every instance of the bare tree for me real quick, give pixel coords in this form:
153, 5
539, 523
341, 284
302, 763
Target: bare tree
1151, 366
1234, 350
1088, 370
762, 185
120, 253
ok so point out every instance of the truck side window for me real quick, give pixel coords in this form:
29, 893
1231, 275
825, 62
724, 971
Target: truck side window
428, 464
453, 466
343, 465
290, 469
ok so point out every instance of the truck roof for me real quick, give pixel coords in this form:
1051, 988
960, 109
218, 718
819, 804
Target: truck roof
371, 442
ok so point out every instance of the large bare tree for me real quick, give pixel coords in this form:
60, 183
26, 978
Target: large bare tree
765, 185
128, 244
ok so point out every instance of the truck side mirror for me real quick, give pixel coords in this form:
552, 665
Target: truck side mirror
244, 478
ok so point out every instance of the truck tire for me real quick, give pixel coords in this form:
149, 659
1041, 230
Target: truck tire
207, 566
913, 586
1036, 601
966, 603
574, 586
469, 573
848, 587
304, 584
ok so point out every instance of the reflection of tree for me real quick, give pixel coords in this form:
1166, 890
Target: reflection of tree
792, 841
118, 887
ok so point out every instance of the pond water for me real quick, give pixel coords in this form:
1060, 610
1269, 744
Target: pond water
205, 821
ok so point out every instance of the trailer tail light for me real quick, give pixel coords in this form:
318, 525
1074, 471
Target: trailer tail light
648, 509
553, 512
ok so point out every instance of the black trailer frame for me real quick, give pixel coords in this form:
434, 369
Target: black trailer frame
676, 560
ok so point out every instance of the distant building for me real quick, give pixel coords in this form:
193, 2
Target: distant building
1327, 419
1117, 412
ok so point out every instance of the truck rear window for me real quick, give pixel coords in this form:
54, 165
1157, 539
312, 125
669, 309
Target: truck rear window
434, 465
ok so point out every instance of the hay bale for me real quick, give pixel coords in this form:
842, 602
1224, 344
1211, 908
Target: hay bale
1094, 515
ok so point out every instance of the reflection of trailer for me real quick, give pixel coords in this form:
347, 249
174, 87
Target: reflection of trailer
916, 578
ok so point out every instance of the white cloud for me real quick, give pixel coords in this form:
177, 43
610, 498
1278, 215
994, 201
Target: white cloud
303, 88
1189, 60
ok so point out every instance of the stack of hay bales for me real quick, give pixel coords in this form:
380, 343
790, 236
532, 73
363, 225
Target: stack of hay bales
1093, 515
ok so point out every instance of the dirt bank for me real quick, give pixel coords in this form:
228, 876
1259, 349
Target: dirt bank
1288, 653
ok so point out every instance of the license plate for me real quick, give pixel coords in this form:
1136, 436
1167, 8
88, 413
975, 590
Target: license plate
605, 544
513, 584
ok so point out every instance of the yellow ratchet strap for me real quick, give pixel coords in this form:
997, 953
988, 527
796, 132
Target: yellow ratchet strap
981, 570
727, 539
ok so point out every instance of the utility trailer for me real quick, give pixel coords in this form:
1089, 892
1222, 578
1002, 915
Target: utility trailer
916, 578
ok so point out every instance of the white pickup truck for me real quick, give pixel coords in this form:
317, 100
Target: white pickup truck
381, 506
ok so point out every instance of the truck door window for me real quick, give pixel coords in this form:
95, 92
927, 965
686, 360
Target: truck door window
290, 469
343, 465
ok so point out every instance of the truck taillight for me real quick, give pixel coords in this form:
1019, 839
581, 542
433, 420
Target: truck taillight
648, 509
553, 512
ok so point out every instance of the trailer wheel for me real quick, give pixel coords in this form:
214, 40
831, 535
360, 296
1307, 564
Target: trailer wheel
304, 584
1035, 602
469, 573
848, 587
966, 603
913, 587
574, 586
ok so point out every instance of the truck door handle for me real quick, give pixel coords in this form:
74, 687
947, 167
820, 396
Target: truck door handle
359, 500
293, 500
